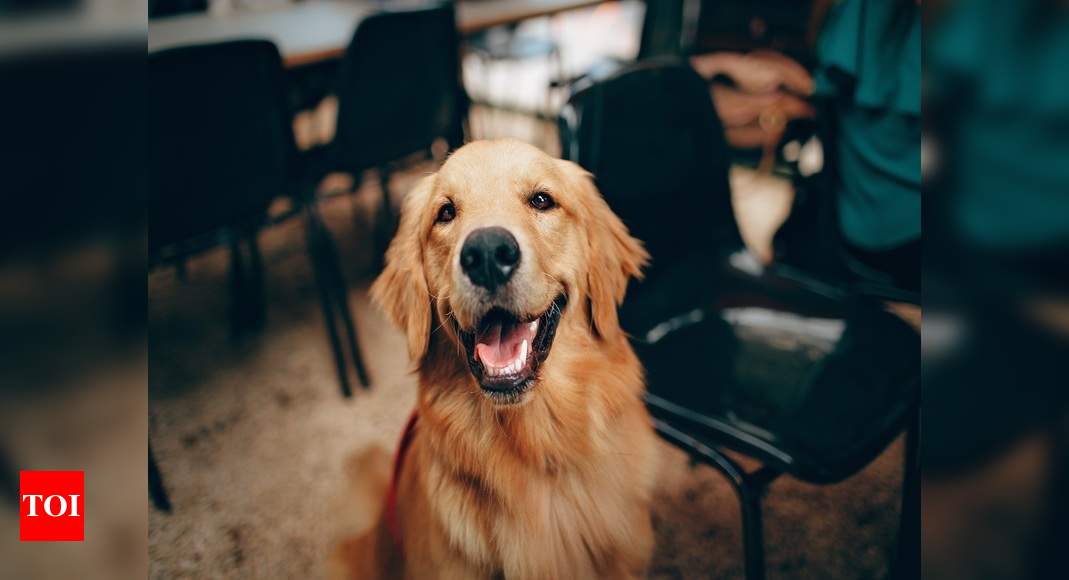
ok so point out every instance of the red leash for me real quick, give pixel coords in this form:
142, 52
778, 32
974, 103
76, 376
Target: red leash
391, 495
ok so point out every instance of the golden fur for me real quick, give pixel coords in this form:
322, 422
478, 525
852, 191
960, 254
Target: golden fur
558, 485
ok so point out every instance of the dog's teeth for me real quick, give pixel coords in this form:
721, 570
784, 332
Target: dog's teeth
523, 352
533, 325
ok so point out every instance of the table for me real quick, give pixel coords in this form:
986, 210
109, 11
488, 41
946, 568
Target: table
473, 16
313, 31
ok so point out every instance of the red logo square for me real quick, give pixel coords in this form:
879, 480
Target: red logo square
51, 506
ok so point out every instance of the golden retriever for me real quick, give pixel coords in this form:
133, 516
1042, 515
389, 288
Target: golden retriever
532, 455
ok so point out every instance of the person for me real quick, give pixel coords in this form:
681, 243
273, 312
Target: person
868, 71
766, 90
867, 84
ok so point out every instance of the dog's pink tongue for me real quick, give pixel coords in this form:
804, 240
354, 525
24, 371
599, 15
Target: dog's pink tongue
497, 346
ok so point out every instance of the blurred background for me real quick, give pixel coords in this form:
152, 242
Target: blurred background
769, 153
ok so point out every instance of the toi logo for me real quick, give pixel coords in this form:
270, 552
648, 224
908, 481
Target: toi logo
51, 506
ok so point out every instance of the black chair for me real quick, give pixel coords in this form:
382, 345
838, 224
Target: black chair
156, 490
9, 481
668, 30
222, 149
399, 92
162, 8
810, 380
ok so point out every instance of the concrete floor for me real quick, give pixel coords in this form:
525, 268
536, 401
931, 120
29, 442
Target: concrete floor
254, 439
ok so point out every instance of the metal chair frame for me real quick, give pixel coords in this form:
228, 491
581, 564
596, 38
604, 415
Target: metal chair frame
699, 434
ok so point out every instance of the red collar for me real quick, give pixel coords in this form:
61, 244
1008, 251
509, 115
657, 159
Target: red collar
391, 495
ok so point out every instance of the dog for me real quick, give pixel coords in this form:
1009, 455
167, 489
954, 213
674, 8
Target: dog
531, 453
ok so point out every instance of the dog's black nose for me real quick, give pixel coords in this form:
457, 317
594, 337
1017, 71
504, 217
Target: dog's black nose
489, 257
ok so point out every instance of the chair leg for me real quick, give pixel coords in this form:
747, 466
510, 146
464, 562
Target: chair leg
247, 303
751, 492
354, 346
9, 481
749, 488
332, 265
384, 225
1050, 552
908, 558
180, 270
237, 288
155, 484
490, 112
549, 129
257, 291
316, 245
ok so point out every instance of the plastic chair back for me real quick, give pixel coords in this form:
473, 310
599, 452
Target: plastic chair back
653, 141
221, 142
400, 87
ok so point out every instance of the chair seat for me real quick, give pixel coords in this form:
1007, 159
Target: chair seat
805, 378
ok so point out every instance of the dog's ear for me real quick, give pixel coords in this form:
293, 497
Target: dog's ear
401, 289
615, 255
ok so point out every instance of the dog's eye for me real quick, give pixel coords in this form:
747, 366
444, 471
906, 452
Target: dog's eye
447, 213
541, 201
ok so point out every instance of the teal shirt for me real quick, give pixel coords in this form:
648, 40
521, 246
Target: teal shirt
1010, 162
869, 62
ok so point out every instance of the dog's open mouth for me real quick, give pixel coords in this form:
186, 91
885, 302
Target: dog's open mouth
505, 351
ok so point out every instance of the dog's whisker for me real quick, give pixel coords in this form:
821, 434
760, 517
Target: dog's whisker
552, 277
556, 308
448, 315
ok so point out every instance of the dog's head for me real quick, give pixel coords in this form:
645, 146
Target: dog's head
499, 252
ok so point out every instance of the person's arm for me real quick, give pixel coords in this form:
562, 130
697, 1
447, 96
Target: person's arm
758, 72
